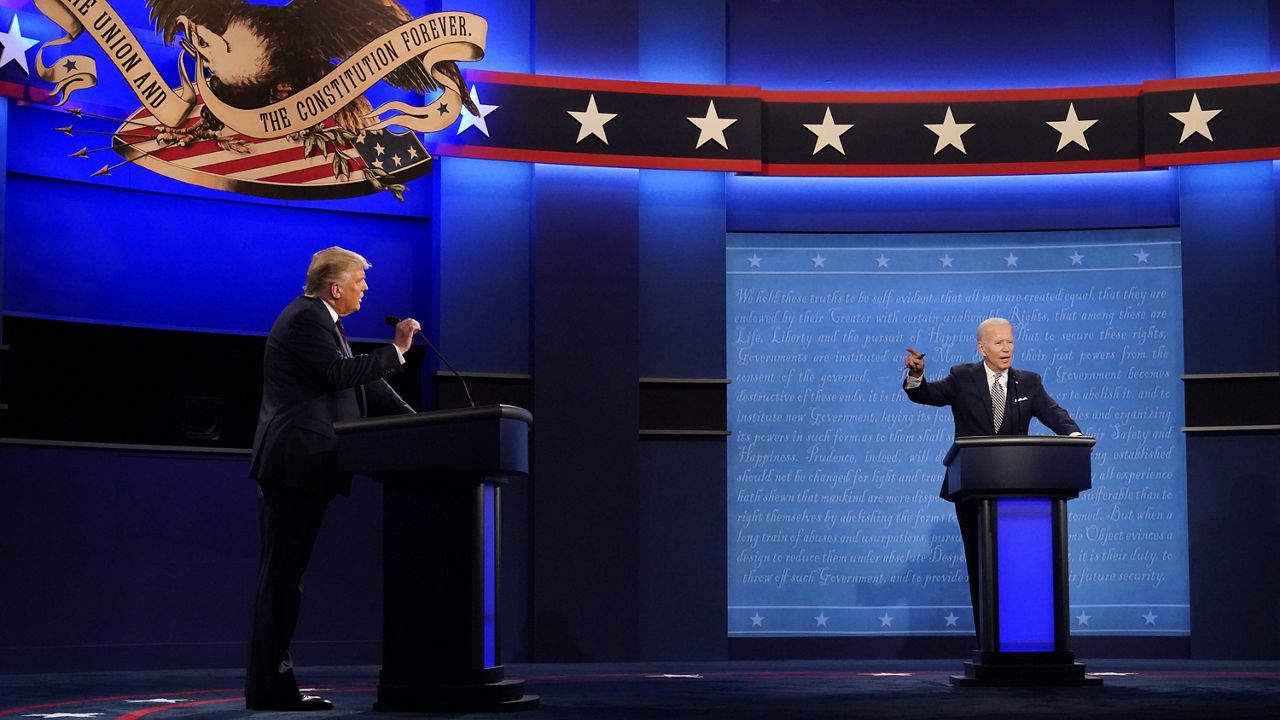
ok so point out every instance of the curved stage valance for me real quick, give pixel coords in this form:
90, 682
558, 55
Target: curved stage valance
614, 123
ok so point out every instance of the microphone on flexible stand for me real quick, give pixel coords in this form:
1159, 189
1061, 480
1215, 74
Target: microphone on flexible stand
392, 320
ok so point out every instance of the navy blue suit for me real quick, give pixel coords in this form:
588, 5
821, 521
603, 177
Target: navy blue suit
310, 381
966, 392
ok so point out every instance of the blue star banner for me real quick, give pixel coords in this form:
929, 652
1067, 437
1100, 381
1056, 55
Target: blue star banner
835, 524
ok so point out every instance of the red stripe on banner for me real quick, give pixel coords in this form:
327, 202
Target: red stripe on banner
957, 96
253, 162
320, 172
19, 92
1212, 156
1027, 168
570, 158
170, 154
624, 86
1217, 81
204, 147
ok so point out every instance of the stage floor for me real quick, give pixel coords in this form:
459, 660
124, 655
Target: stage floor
897, 690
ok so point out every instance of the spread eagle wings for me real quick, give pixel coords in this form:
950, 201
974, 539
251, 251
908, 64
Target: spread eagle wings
311, 36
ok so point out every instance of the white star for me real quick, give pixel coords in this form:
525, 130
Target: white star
951, 619
413, 152
886, 620
1150, 617
1076, 258
757, 620
15, 46
378, 149
377, 164
1195, 120
476, 121
949, 132
882, 261
754, 260
1083, 618
828, 132
822, 619
1010, 260
946, 260
818, 261
1072, 129
592, 121
1142, 255
712, 126
396, 159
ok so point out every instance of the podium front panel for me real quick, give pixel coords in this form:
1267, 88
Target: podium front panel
1024, 569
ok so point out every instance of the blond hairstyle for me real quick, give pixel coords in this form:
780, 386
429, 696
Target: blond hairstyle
329, 266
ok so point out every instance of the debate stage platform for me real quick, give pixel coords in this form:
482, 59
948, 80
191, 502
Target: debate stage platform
896, 689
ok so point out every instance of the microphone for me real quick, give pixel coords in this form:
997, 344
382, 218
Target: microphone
392, 320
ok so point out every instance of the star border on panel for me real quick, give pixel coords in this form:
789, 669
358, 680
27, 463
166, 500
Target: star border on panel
828, 133
949, 132
1072, 129
15, 46
476, 121
1195, 120
591, 121
711, 127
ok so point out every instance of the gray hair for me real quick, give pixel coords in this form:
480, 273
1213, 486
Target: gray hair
991, 322
329, 266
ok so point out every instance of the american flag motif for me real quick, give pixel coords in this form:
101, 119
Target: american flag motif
316, 164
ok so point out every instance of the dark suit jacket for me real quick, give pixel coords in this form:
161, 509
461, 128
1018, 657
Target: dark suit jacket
965, 391
308, 384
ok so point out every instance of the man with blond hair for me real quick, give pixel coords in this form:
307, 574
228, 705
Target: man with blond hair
311, 379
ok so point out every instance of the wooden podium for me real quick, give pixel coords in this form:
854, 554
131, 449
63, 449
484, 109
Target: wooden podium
441, 474
1021, 485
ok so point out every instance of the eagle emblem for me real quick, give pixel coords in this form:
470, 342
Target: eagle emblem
274, 100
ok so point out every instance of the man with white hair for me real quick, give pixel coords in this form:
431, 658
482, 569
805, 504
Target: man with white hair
311, 379
986, 398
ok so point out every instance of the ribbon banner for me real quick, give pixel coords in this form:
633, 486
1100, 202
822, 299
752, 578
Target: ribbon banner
307, 145
432, 39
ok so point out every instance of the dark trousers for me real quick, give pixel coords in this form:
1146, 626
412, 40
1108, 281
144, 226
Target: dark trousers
967, 517
290, 523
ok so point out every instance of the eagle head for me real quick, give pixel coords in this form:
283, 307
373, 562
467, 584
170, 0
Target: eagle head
239, 56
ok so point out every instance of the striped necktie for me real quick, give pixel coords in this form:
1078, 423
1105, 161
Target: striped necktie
997, 403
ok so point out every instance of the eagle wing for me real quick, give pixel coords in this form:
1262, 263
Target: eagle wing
337, 28
210, 13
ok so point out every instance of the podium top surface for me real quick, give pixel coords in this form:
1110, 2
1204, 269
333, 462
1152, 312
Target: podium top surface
977, 441
435, 417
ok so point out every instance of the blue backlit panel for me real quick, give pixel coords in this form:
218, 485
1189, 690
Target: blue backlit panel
1024, 569
835, 524
490, 575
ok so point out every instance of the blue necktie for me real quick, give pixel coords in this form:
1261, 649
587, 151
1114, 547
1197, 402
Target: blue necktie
342, 333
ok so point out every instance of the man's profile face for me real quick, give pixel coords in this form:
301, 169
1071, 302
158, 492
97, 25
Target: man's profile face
347, 292
996, 347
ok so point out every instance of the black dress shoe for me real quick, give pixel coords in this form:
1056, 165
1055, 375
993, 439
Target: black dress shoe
300, 703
